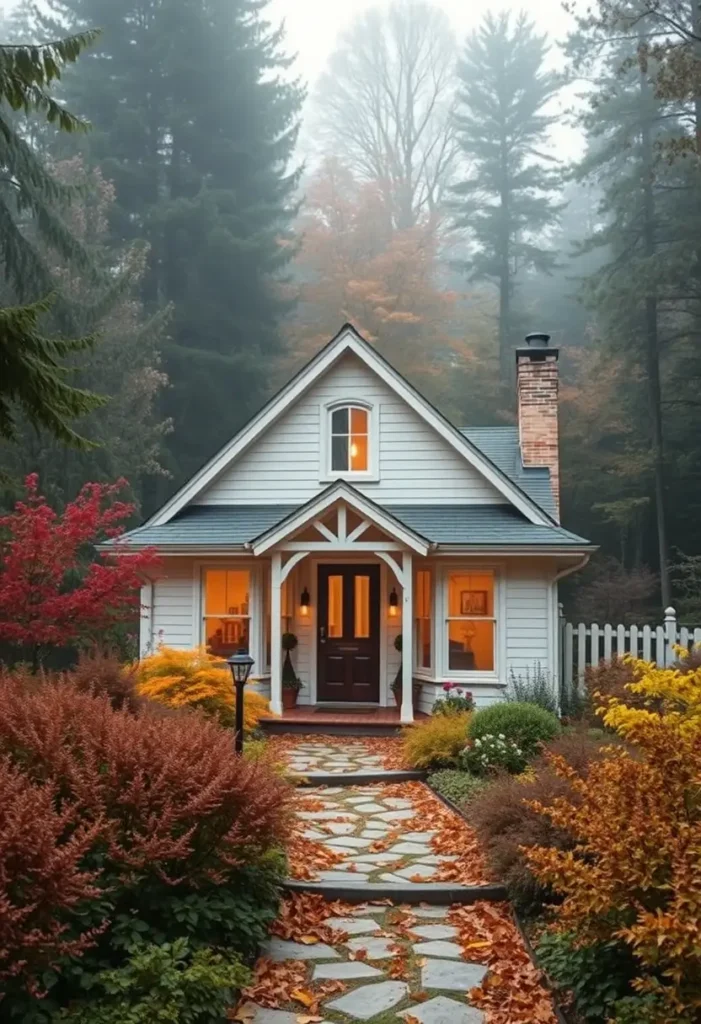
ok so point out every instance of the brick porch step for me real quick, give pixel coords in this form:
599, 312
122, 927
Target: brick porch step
313, 719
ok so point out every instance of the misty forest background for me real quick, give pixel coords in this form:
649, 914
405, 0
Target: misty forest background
216, 226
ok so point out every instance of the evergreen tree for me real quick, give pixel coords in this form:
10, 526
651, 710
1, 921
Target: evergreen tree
629, 127
34, 379
506, 203
123, 366
195, 124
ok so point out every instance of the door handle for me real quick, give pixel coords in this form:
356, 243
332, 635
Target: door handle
322, 634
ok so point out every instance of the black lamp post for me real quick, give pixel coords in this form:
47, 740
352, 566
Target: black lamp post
240, 664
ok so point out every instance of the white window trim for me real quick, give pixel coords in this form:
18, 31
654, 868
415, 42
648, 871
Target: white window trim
256, 642
443, 672
372, 473
422, 670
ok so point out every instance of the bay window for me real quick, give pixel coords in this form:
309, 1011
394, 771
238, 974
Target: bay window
470, 621
226, 610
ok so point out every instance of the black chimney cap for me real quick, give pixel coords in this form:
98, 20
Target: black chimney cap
537, 340
537, 348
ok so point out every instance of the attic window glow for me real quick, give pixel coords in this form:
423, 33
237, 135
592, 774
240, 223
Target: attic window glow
349, 439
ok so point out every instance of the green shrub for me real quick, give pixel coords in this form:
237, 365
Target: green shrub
534, 687
488, 754
596, 976
166, 984
647, 1009
460, 787
526, 724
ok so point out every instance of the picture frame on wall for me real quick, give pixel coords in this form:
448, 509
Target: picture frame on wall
474, 602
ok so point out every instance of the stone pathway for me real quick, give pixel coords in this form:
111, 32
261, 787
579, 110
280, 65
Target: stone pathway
379, 962
352, 757
382, 967
369, 832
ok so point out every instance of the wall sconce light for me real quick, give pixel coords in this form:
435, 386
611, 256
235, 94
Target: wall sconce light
393, 604
304, 602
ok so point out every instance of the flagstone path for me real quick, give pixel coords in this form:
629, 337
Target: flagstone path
337, 756
379, 962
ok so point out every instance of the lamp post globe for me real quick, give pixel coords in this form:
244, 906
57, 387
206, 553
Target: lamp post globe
240, 664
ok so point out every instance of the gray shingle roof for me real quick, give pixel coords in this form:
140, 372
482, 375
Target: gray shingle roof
501, 445
223, 525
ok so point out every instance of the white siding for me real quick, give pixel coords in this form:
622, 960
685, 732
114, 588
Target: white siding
528, 617
416, 466
173, 612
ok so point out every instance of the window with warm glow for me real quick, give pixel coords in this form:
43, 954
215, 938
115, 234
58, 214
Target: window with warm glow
349, 440
470, 622
226, 610
423, 624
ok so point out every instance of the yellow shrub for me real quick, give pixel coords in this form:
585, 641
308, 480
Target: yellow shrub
195, 679
435, 742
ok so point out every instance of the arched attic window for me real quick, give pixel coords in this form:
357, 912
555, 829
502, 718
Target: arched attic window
350, 439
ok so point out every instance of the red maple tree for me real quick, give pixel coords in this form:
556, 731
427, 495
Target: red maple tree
55, 588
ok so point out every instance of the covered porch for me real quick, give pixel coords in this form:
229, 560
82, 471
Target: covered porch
341, 578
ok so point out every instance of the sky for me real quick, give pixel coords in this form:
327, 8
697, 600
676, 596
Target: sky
313, 25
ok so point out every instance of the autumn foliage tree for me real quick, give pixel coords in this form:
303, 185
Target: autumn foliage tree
634, 874
355, 266
54, 590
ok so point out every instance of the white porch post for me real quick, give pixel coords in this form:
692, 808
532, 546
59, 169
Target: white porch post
276, 633
407, 712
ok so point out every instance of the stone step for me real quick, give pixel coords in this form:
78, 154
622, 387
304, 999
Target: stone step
433, 893
367, 778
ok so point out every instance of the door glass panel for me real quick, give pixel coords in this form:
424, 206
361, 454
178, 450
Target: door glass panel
335, 606
361, 629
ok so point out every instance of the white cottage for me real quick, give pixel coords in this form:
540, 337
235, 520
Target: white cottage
349, 511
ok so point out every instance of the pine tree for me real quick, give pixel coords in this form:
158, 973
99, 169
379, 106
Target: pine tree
506, 203
33, 376
195, 123
629, 127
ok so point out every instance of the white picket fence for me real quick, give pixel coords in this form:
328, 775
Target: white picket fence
582, 645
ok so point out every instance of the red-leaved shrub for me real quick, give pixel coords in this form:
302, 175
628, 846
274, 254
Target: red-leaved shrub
170, 790
41, 850
153, 811
102, 673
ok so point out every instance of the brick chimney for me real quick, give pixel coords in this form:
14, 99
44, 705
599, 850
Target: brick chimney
537, 384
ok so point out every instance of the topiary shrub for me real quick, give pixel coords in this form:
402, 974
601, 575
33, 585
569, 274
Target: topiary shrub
184, 839
528, 725
436, 742
196, 679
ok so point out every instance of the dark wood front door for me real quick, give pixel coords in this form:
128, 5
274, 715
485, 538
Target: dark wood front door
348, 633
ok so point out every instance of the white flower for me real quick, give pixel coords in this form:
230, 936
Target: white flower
502, 736
478, 742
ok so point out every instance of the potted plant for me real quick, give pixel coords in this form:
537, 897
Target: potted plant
291, 684
397, 686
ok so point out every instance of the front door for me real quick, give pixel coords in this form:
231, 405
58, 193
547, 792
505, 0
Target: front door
348, 659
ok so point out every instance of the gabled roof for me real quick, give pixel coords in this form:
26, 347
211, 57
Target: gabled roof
348, 340
231, 527
503, 447
345, 492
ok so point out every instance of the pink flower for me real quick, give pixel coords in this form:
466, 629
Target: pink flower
447, 687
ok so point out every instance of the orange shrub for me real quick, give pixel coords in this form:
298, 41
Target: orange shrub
634, 873
195, 679
435, 742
